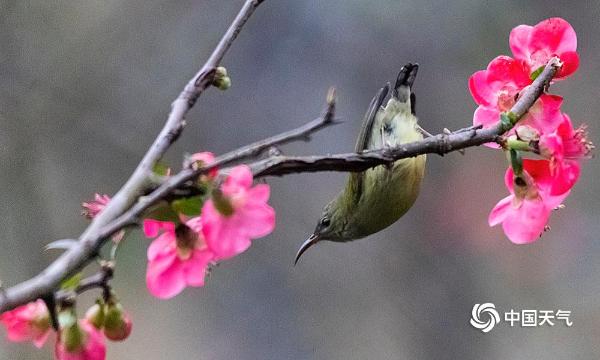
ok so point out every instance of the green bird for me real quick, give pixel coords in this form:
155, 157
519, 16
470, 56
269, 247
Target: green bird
374, 199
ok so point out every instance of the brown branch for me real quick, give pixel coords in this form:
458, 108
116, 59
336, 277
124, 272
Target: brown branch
439, 144
77, 256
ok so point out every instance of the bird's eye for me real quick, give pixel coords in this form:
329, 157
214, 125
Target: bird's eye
325, 222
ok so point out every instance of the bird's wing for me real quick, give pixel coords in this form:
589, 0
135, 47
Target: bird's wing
365, 132
356, 179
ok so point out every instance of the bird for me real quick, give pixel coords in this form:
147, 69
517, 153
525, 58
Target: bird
376, 198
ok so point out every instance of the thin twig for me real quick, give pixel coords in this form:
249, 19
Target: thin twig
97, 280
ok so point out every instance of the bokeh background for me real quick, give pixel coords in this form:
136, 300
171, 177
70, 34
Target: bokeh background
86, 85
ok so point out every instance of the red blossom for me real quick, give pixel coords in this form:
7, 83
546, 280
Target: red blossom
536, 45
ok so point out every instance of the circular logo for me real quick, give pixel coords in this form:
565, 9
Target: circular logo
484, 317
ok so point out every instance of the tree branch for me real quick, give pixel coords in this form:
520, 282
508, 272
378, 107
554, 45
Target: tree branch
76, 257
439, 144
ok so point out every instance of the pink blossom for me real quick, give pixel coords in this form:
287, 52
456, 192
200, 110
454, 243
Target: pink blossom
551, 37
525, 212
177, 258
92, 346
28, 322
93, 208
498, 85
545, 114
228, 233
203, 159
497, 88
565, 147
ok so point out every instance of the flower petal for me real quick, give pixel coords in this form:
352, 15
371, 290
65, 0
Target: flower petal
526, 223
554, 34
500, 211
258, 220
164, 277
240, 177
519, 41
487, 117
567, 174
163, 244
153, 227
195, 267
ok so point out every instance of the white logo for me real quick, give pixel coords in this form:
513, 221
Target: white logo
487, 310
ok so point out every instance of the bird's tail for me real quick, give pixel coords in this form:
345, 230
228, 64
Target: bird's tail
402, 89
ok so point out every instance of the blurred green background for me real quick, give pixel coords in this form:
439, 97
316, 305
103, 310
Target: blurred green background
86, 85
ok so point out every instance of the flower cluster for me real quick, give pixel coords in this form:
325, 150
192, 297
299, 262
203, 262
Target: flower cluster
536, 186
184, 248
191, 234
76, 339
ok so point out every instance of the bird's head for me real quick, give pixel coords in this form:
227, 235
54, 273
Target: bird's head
331, 226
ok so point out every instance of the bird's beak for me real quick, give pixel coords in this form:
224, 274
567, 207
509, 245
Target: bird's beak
313, 239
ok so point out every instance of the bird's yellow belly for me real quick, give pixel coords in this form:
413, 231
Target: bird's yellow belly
389, 194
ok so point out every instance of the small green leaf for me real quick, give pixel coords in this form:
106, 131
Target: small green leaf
160, 168
191, 206
163, 212
536, 73
72, 282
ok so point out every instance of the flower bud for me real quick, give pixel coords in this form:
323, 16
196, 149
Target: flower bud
221, 79
223, 83
81, 341
527, 133
95, 315
220, 72
117, 324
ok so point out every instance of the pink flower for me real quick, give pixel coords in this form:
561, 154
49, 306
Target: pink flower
177, 258
551, 37
202, 159
525, 212
93, 208
497, 88
28, 322
565, 147
87, 343
498, 85
239, 214
544, 115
